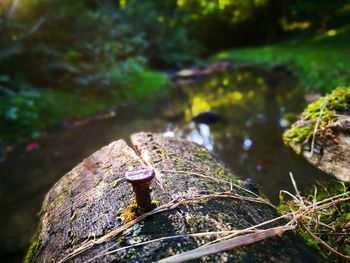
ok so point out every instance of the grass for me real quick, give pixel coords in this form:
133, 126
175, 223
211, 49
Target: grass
321, 61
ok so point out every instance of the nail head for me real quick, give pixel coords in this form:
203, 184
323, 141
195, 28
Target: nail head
140, 175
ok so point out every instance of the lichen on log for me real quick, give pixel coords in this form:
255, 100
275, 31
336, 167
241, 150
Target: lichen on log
86, 204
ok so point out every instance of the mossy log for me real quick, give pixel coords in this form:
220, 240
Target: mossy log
87, 202
331, 154
322, 134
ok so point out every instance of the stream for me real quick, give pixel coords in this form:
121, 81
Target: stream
254, 106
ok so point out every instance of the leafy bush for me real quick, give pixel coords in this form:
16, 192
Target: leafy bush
20, 115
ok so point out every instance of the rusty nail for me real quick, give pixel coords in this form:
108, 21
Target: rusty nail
141, 179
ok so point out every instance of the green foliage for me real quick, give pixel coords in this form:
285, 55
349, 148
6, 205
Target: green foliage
321, 61
164, 31
82, 58
19, 115
337, 101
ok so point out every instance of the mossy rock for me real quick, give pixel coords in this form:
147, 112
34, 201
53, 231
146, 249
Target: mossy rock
329, 116
91, 210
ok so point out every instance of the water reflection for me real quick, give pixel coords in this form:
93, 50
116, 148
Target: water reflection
247, 144
201, 134
254, 107
198, 133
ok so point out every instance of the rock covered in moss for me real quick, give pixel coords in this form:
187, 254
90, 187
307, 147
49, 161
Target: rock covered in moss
322, 134
88, 202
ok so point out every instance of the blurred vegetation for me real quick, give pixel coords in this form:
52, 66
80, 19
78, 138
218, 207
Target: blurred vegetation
67, 59
322, 61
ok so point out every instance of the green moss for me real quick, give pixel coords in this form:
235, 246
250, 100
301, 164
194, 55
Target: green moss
115, 183
337, 101
122, 240
61, 198
310, 241
221, 172
74, 216
133, 210
155, 203
297, 135
33, 248
202, 153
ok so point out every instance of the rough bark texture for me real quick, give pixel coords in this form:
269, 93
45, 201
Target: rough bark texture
331, 154
86, 202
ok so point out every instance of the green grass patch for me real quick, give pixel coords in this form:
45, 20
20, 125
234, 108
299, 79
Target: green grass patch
321, 61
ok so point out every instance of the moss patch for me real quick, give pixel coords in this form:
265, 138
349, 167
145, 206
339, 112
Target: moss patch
74, 216
301, 132
337, 219
202, 153
133, 210
34, 245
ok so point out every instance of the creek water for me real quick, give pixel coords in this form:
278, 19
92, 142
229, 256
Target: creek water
254, 106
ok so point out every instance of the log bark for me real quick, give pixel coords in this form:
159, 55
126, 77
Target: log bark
86, 203
331, 154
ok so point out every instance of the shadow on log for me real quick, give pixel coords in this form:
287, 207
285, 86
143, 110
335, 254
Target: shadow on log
86, 204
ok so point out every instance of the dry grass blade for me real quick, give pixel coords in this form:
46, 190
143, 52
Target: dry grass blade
195, 235
316, 127
297, 193
226, 245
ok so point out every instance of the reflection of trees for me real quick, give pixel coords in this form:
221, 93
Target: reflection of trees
249, 140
